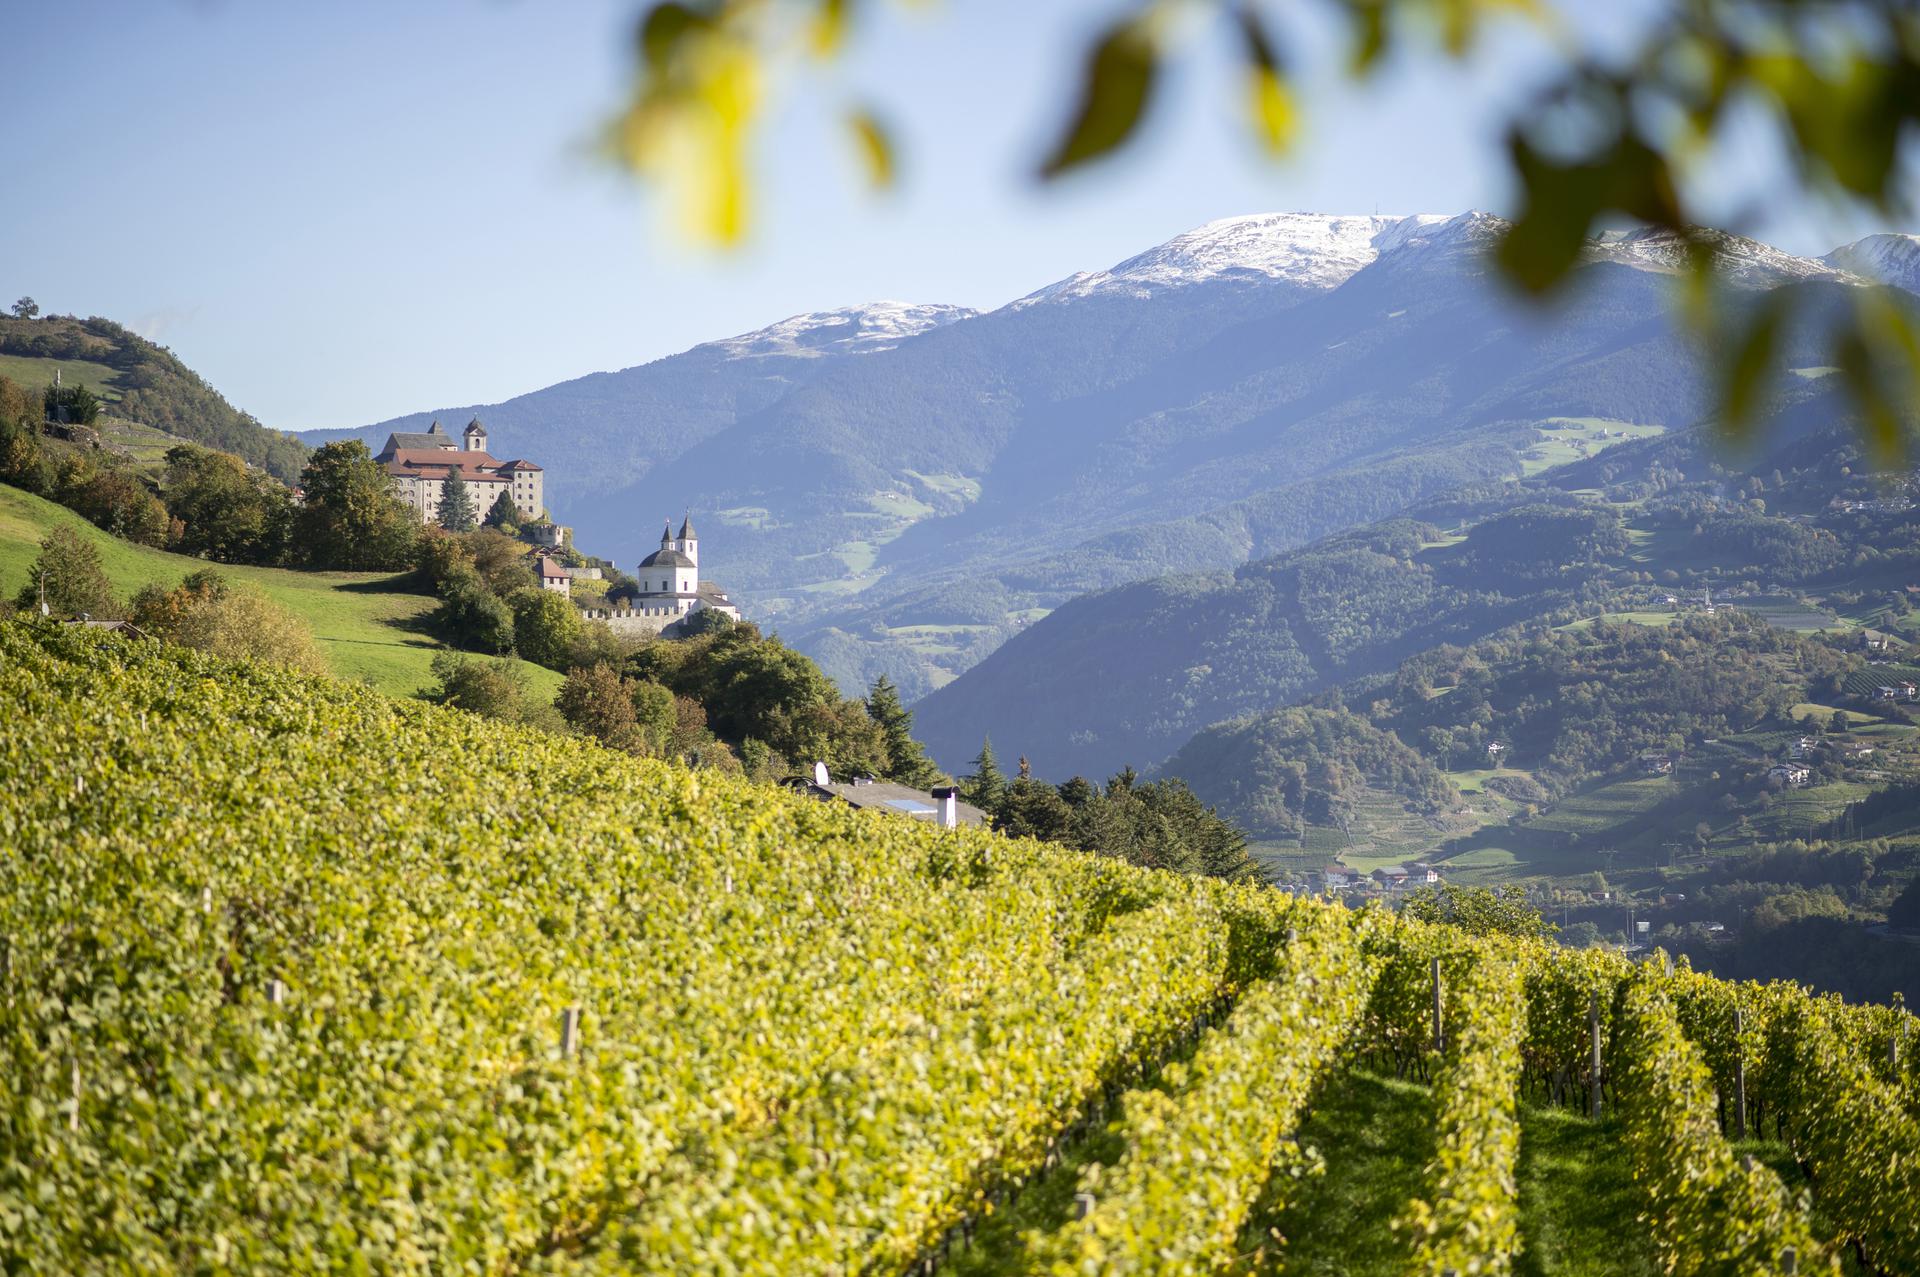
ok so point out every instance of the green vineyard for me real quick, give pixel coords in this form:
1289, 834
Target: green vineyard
298, 978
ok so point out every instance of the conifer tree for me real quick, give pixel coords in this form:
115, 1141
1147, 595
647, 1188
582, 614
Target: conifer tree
504, 515
456, 507
907, 761
986, 786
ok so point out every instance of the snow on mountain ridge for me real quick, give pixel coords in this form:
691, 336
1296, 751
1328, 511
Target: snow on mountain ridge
1742, 260
1319, 252
1881, 259
861, 329
1312, 250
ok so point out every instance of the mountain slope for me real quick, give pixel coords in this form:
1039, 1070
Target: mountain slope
143, 383
1127, 675
900, 489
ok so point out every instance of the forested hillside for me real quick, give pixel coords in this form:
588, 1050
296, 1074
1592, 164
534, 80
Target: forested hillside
1130, 674
143, 383
564, 1011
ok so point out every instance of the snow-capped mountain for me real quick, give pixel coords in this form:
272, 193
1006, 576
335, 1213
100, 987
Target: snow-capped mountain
1741, 260
1317, 252
1311, 250
1883, 259
862, 329
1246, 385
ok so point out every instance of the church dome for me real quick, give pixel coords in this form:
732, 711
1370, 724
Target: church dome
666, 559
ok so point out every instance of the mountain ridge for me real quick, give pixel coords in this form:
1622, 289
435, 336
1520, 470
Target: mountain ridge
872, 471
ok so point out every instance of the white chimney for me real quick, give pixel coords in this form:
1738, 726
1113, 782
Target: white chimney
820, 774
949, 799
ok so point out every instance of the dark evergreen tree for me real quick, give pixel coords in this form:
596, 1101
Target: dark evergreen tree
504, 515
1034, 809
985, 786
907, 758
456, 505
75, 405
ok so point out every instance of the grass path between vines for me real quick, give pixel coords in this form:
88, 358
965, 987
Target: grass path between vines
1577, 1200
1375, 1136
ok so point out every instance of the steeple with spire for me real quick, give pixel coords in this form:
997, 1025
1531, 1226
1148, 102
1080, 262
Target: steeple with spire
688, 542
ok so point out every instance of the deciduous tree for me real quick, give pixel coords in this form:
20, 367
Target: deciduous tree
351, 519
67, 577
545, 628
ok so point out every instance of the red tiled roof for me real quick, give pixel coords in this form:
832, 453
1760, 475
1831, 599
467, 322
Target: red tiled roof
433, 463
549, 570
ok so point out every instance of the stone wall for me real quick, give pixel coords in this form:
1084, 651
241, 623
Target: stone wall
639, 622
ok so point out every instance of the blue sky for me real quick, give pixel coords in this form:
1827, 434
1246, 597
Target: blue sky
343, 212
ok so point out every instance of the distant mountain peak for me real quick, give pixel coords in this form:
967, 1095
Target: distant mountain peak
1881, 259
1741, 259
1316, 251
862, 329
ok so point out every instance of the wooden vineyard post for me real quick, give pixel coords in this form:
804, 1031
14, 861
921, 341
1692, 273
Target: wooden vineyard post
1739, 1075
1439, 1035
1593, 1032
569, 1032
276, 992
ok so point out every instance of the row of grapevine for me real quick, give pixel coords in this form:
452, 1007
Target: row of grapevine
1469, 1220
286, 966
1707, 1212
866, 1169
1199, 1153
425, 899
1853, 1132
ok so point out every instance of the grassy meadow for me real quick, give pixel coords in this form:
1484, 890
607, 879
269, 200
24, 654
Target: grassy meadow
370, 627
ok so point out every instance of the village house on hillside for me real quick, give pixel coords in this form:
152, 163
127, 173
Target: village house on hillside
940, 806
1790, 775
420, 464
553, 576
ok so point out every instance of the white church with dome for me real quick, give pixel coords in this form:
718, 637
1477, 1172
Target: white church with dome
670, 586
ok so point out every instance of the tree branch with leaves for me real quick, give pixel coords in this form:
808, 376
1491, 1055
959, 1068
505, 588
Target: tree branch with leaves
1836, 82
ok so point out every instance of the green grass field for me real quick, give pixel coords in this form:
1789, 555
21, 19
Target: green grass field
370, 629
1825, 713
37, 373
1607, 806
1625, 618
1568, 439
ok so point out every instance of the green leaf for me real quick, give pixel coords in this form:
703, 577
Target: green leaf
662, 30
1114, 92
1744, 374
